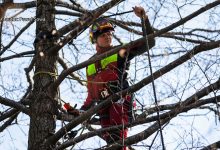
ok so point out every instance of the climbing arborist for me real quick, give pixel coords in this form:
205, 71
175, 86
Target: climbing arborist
109, 75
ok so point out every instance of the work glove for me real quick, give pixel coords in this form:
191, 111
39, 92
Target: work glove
71, 110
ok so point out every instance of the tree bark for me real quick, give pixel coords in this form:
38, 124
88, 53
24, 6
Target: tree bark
43, 103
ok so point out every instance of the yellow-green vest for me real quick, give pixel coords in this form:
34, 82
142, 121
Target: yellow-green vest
91, 69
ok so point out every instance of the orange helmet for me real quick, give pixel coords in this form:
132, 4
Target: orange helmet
100, 26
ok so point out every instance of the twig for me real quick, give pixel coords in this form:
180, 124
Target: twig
19, 55
73, 75
16, 37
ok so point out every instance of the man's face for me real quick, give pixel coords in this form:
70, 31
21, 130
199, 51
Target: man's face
104, 40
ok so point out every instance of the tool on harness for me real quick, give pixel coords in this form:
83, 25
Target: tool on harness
104, 93
73, 133
94, 120
111, 88
127, 100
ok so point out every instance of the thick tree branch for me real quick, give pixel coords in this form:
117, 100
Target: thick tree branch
138, 137
182, 38
172, 106
170, 66
8, 122
177, 62
14, 104
70, 6
138, 86
187, 18
138, 122
63, 12
80, 119
19, 55
22, 5
213, 146
8, 114
183, 107
144, 82
168, 34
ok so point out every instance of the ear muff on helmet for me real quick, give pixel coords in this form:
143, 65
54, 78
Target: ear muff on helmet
100, 26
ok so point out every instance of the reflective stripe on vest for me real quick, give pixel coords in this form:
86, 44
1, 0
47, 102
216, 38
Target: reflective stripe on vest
91, 69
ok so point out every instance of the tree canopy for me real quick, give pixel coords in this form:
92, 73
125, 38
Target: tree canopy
45, 48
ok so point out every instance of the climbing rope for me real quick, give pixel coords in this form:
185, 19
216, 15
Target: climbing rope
151, 73
56, 75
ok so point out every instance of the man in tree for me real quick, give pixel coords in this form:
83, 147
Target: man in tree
109, 75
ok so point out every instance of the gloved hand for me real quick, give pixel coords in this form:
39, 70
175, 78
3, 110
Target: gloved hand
139, 11
71, 110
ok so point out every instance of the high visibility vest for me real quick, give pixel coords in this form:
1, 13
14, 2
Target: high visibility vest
92, 70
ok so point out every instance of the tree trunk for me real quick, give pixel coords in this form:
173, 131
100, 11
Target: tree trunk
43, 103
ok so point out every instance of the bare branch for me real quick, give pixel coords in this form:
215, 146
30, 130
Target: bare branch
63, 12
19, 55
70, 6
23, 5
204, 30
187, 18
217, 113
213, 146
182, 38
33, 4
14, 104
